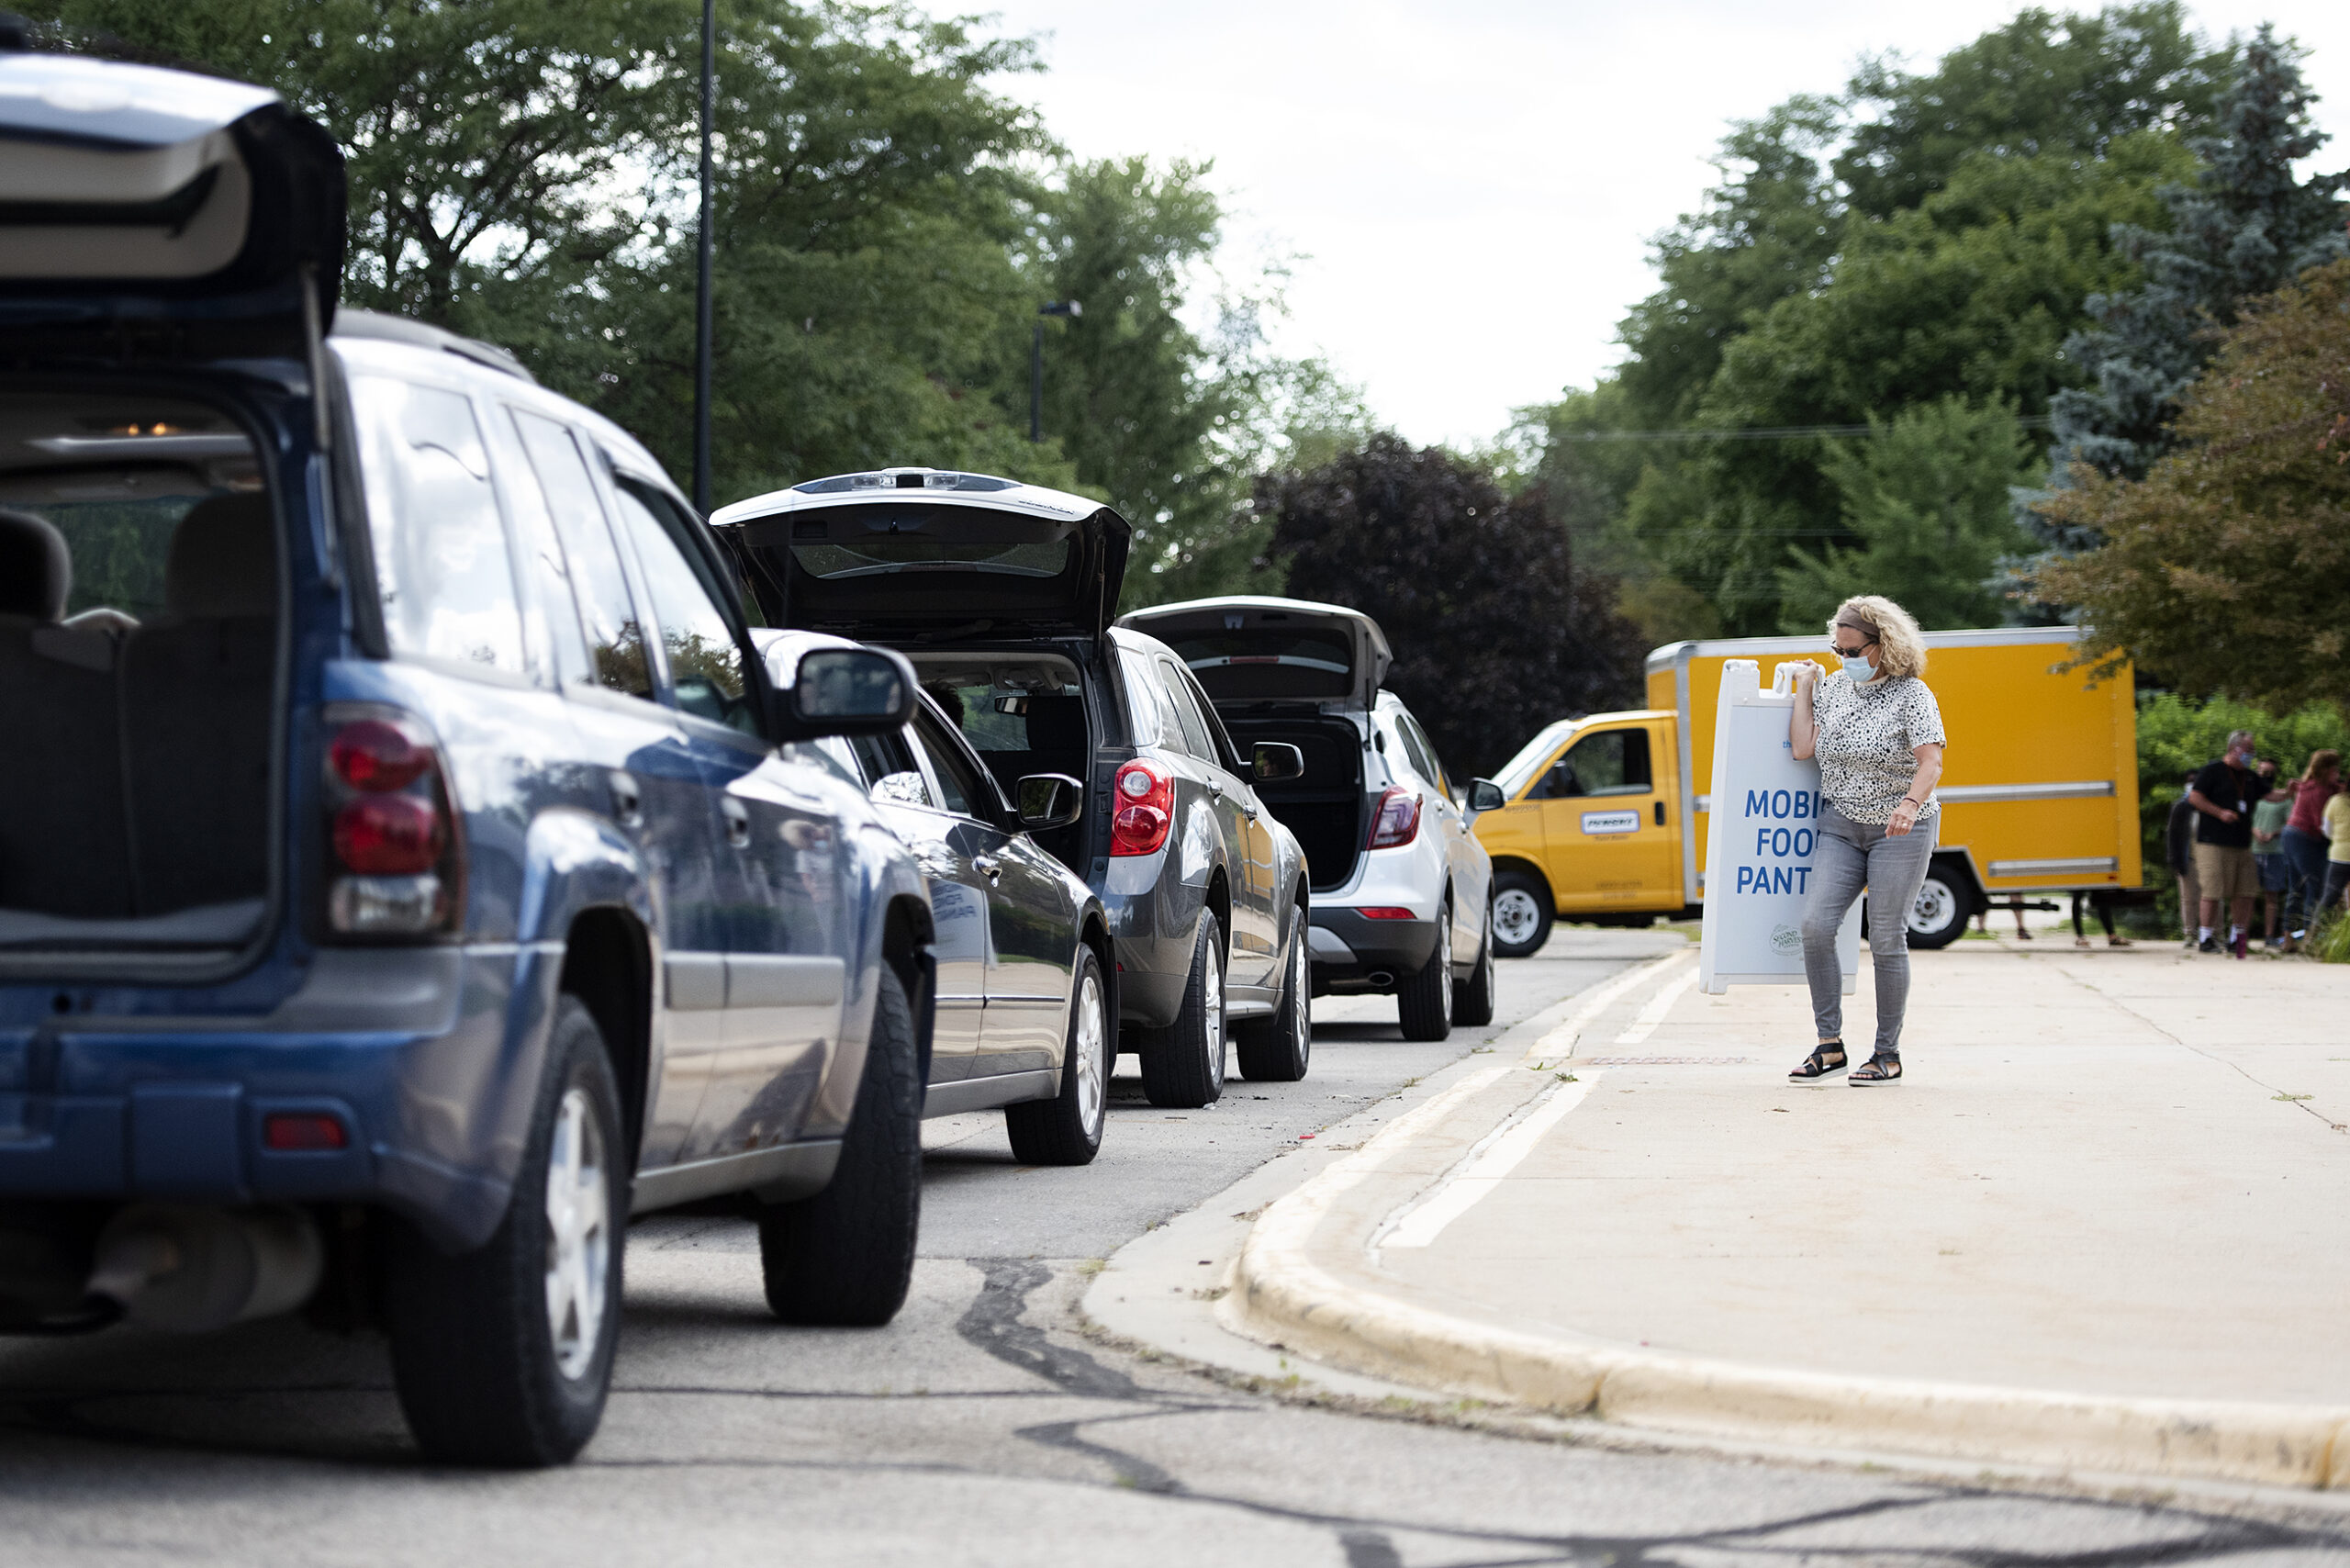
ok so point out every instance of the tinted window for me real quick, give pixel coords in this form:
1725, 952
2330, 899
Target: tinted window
608, 615
957, 781
705, 662
886, 554
1237, 665
1424, 755
441, 556
1176, 695
1614, 762
549, 613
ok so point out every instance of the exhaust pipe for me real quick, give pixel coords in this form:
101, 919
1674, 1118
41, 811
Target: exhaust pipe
1381, 979
192, 1269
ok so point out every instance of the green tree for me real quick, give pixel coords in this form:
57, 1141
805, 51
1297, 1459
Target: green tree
1925, 494
2227, 568
1493, 628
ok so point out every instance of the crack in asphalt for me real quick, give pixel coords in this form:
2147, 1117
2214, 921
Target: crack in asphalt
996, 1322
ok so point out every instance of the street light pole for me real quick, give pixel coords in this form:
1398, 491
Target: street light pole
1070, 309
702, 242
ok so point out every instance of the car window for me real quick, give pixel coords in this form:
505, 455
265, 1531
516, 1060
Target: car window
879, 757
549, 610
1178, 696
1423, 751
706, 663
1612, 762
958, 781
441, 554
606, 614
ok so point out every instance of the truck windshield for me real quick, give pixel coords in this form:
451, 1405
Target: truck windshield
1519, 770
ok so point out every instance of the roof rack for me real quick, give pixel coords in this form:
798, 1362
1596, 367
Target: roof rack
350, 322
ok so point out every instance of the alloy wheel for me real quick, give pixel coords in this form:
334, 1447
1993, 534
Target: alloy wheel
1093, 1041
579, 1237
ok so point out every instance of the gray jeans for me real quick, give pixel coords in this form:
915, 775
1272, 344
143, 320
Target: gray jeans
1850, 858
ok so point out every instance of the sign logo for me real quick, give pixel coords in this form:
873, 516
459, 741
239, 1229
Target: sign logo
1786, 938
1611, 822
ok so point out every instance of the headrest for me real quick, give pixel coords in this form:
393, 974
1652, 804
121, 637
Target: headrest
1055, 723
36, 568
223, 560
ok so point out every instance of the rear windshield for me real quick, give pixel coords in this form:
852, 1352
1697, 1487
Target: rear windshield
886, 555
1241, 665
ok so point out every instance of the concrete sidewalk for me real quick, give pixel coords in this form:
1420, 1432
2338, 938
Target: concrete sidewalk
2100, 1226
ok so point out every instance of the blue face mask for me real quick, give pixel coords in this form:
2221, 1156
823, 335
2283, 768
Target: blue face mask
1858, 667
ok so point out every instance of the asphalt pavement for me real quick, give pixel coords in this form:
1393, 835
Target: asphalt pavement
985, 1425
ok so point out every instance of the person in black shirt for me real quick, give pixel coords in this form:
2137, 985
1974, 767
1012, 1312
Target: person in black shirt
2179, 845
2224, 793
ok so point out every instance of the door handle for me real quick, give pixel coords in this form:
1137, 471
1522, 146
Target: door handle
1216, 789
1660, 813
738, 824
628, 805
987, 865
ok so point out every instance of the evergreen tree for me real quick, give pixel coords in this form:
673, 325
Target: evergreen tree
2244, 226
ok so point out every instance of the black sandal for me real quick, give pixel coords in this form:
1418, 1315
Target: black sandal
1817, 1065
1883, 1067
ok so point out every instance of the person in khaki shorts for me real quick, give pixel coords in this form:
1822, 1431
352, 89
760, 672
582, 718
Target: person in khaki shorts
2224, 793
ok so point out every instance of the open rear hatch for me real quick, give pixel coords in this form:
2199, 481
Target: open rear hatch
152, 215
1247, 651
916, 555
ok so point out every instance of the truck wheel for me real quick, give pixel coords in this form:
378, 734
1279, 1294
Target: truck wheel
1067, 1128
1522, 912
502, 1356
1183, 1064
1473, 999
1276, 1049
1424, 1001
1945, 903
844, 1258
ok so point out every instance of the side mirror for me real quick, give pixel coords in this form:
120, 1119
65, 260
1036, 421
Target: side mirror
1484, 795
1050, 799
1276, 761
844, 691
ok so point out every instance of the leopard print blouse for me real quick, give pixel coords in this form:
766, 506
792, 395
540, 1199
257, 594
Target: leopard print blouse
1868, 740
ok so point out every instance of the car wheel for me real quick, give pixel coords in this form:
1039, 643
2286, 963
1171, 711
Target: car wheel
1276, 1049
1522, 914
1944, 906
503, 1356
1183, 1064
1424, 1001
844, 1256
1067, 1128
1473, 999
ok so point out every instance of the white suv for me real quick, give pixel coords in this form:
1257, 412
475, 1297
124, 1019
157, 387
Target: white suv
1401, 892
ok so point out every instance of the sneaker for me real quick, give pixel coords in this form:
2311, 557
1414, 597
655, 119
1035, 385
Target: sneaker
2208, 944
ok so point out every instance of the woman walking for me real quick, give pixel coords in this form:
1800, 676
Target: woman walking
1878, 734
2304, 842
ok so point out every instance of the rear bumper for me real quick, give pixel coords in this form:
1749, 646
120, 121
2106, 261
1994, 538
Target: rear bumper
1348, 951
434, 1092
1154, 919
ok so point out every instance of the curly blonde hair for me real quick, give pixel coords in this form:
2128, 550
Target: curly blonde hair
1901, 647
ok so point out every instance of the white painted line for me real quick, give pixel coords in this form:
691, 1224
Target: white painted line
1653, 1013
1495, 1156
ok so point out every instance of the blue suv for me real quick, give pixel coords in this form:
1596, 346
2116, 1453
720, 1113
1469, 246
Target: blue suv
408, 868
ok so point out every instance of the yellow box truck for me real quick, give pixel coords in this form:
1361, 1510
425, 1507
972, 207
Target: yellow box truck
1603, 817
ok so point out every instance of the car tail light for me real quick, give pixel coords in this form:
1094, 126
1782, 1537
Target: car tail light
1397, 821
303, 1132
1143, 808
1386, 912
392, 840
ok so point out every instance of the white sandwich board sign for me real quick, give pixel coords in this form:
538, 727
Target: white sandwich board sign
1761, 834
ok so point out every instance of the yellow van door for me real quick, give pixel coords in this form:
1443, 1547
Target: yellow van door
1606, 820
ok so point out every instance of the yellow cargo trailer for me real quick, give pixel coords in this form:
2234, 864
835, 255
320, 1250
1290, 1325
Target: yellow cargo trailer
1605, 817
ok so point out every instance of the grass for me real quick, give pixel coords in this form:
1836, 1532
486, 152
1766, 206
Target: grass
2330, 942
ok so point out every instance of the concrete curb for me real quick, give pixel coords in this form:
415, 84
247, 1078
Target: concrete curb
1331, 1301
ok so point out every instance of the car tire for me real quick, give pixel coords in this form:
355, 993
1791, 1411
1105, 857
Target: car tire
502, 1356
1473, 999
1067, 1128
1945, 903
1522, 914
1424, 1001
1278, 1049
1183, 1064
844, 1256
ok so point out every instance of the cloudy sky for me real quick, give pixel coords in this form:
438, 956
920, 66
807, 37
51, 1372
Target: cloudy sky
1472, 185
